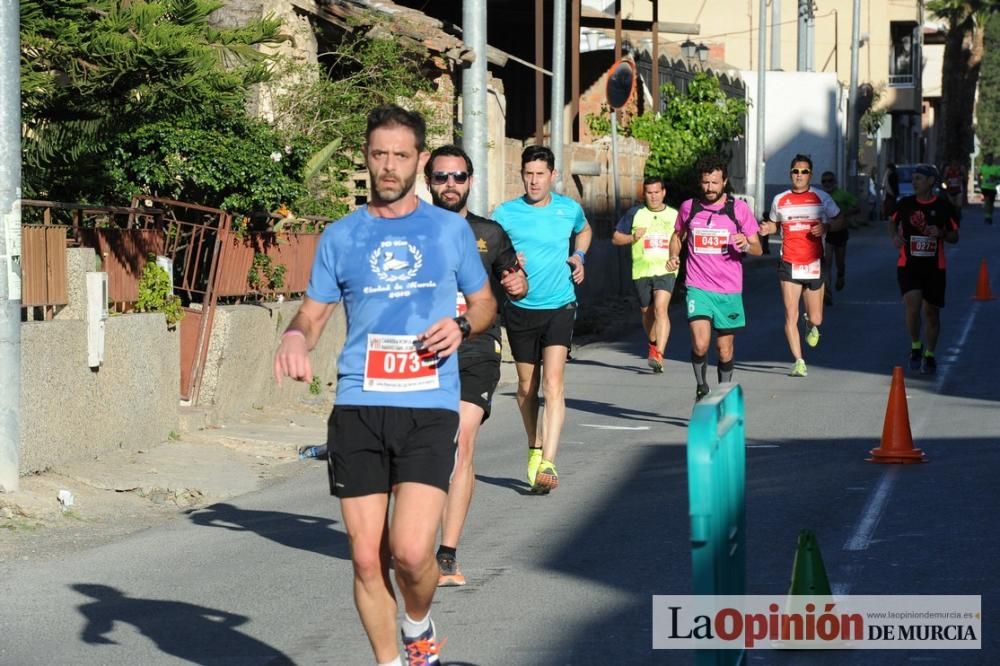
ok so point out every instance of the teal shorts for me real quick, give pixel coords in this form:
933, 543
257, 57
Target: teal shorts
724, 311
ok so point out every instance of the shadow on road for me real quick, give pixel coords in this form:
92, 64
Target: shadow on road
196, 634
310, 533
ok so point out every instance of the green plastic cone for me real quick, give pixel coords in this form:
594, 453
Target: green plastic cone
808, 574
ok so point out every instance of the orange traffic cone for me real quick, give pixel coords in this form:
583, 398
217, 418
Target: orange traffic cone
897, 442
983, 292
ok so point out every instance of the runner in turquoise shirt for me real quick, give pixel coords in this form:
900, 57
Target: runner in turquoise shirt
541, 234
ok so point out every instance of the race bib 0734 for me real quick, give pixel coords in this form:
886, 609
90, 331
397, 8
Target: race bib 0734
394, 363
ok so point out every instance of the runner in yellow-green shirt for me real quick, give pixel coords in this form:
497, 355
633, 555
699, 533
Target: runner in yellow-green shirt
648, 230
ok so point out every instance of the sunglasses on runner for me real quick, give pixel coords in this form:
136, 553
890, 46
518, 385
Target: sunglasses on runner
804, 172
441, 177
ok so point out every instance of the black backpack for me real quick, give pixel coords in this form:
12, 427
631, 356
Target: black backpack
728, 209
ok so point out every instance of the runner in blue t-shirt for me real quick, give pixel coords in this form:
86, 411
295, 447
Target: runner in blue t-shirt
396, 265
540, 326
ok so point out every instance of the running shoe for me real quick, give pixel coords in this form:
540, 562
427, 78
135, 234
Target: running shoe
812, 337
424, 649
450, 575
701, 392
655, 360
840, 282
799, 369
928, 366
547, 478
534, 460
916, 353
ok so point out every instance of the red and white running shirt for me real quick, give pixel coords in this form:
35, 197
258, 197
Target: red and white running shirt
797, 212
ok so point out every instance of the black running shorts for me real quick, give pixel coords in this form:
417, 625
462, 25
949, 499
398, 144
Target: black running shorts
644, 287
530, 331
785, 275
374, 448
930, 282
479, 375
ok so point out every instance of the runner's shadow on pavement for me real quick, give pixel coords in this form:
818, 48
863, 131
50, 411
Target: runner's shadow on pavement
521, 487
765, 368
616, 411
195, 634
309, 533
635, 370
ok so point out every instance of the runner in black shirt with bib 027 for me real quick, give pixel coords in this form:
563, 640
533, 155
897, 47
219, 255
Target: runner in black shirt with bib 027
920, 227
449, 177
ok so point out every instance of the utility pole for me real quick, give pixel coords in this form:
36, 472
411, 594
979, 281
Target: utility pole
852, 103
475, 116
758, 196
802, 58
775, 34
10, 244
558, 112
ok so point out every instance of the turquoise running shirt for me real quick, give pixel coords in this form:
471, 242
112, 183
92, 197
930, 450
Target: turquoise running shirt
542, 234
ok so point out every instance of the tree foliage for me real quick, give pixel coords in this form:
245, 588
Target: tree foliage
988, 107
96, 71
328, 107
127, 98
963, 53
698, 123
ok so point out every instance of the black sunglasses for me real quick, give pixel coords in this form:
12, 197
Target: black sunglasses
805, 172
441, 177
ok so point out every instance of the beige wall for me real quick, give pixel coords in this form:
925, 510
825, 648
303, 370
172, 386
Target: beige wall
730, 28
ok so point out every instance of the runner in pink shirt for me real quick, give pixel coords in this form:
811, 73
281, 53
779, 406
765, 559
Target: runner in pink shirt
717, 230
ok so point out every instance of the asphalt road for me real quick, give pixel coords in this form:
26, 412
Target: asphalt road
568, 578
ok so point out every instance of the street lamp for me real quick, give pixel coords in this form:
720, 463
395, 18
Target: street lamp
688, 48
702, 52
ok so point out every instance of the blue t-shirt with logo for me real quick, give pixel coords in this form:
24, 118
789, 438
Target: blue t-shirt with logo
542, 234
395, 277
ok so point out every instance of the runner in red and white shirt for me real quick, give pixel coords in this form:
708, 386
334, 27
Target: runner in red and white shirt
804, 214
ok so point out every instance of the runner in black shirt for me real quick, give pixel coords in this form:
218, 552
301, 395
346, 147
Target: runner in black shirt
920, 227
449, 177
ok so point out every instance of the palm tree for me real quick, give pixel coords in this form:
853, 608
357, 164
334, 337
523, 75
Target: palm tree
963, 55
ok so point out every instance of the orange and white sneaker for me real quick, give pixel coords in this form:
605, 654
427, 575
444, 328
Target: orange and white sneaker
450, 575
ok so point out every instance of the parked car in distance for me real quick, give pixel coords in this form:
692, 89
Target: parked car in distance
905, 173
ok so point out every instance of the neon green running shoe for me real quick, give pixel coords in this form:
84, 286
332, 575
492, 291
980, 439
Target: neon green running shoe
546, 479
534, 460
812, 337
799, 369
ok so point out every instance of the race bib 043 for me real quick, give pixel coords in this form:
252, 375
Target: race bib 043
710, 241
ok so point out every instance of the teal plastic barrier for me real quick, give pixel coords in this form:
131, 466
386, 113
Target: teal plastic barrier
716, 458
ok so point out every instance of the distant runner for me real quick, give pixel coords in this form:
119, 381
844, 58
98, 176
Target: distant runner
804, 215
648, 229
837, 240
718, 230
923, 223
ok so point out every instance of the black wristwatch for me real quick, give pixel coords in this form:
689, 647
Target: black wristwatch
464, 326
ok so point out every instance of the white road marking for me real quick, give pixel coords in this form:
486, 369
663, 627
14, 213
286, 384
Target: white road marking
872, 514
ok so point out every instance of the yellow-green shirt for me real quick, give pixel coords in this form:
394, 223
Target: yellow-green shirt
649, 253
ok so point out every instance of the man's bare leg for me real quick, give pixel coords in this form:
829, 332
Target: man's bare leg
366, 523
463, 481
413, 528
